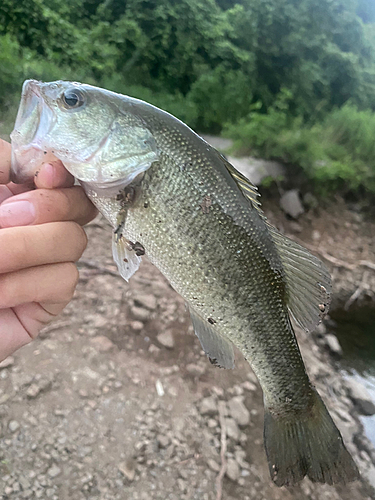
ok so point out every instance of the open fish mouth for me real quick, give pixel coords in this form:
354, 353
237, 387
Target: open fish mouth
34, 121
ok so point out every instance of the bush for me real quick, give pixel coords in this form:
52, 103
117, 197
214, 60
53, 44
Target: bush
335, 155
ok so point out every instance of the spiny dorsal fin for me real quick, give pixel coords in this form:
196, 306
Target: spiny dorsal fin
248, 189
218, 349
308, 280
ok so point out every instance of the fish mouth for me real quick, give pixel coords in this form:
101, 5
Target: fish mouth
33, 123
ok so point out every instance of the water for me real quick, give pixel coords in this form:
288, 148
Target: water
355, 330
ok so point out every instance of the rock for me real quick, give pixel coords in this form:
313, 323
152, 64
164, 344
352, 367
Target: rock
316, 235
13, 425
127, 469
233, 471
33, 391
9, 361
147, 301
333, 345
163, 440
233, 431
295, 227
291, 204
238, 411
310, 200
54, 471
136, 325
195, 369
166, 339
361, 398
249, 386
102, 343
208, 406
153, 349
139, 313
213, 465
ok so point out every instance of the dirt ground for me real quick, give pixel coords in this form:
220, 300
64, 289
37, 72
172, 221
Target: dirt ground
116, 399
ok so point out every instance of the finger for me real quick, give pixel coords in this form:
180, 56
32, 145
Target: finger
49, 284
21, 324
47, 205
53, 175
5, 159
31, 246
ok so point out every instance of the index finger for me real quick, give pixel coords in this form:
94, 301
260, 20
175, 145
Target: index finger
5, 159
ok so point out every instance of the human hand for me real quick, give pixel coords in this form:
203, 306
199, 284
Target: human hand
40, 239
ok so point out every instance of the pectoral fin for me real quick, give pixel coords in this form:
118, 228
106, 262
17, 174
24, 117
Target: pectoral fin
218, 349
126, 259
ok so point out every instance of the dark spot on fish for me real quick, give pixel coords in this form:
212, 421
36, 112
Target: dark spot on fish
138, 248
126, 196
206, 203
125, 260
44, 152
322, 307
211, 321
146, 204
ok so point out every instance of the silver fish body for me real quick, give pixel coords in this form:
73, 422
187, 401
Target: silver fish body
170, 195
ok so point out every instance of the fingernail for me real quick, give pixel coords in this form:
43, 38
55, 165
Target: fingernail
16, 213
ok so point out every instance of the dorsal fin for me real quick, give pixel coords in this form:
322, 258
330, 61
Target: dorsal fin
308, 280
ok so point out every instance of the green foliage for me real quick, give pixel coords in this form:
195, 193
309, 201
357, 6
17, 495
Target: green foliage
335, 155
279, 72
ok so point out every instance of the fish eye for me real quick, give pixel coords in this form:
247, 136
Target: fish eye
73, 99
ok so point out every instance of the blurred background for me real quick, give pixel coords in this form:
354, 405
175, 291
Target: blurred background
116, 400
286, 79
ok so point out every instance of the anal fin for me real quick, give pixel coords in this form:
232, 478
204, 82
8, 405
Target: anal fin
217, 348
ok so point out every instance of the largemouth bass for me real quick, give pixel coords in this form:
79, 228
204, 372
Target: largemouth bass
170, 195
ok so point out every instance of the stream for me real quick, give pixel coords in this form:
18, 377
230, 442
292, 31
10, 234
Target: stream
355, 330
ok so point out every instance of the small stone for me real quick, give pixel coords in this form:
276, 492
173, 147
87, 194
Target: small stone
233, 431
8, 490
9, 361
211, 423
100, 321
33, 391
195, 369
233, 471
102, 343
295, 227
153, 349
208, 406
136, 326
147, 301
291, 204
333, 345
54, 471
163, 440
249, 386
361, 398
140, 313
166, 339
238, 411
127, 469
316, 235
13, 425
213, 465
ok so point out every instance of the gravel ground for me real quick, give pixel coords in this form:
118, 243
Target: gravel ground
116, 400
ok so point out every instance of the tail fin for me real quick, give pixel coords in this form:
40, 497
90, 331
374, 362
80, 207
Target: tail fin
308, 445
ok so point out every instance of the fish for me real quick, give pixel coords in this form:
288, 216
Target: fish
170, 196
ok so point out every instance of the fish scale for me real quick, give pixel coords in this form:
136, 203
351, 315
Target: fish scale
168, 194
225, 289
